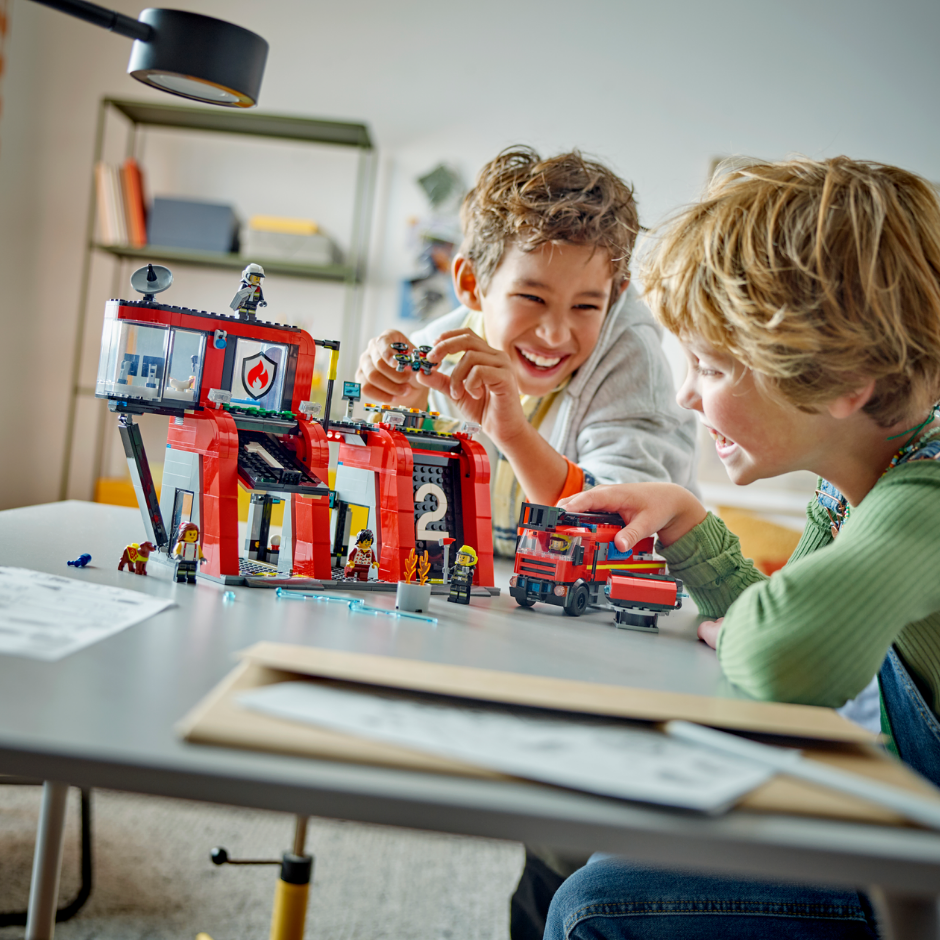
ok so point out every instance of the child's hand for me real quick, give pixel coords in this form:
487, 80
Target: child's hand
379, 378
708, 631
482, 384
647, 509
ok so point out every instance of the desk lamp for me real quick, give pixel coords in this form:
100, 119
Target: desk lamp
185, 54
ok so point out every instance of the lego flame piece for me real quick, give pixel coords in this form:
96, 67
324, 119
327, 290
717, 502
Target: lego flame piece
411, 562
424, 568
258, 377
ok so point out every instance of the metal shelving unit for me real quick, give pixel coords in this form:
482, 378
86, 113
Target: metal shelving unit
140, 115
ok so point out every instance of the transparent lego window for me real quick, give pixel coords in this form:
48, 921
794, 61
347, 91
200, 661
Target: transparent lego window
258, 377
185, 368
551, 545
133, 357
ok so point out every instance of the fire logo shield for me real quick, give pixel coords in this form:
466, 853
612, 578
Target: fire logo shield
258, 374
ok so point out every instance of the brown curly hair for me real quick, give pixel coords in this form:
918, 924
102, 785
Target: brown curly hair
523, 199
819, 276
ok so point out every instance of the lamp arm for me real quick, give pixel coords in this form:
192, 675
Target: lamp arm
100, 16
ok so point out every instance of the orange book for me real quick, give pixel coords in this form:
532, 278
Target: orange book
134, 211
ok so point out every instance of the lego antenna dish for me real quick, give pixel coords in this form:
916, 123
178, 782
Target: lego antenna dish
151, 280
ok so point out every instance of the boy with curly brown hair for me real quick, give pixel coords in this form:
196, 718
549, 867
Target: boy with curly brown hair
552, 352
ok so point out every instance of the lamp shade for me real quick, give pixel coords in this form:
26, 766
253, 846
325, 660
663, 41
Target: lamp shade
199, 57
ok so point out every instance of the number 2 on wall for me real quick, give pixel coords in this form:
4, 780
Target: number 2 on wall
434, 515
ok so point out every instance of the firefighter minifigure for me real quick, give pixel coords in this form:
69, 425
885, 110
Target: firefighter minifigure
188, 552
558, 543
249, 296
361, 556
461, 575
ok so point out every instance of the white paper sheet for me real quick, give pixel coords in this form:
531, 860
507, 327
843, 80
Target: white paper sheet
598, 756
44, 616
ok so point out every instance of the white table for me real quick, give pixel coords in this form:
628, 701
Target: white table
104, 717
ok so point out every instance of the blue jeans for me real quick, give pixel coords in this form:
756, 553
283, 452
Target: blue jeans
615, 899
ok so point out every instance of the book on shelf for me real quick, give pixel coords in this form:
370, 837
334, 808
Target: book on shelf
134, 210
120, 202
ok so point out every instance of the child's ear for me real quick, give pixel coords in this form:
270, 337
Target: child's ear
847, 405
466, 286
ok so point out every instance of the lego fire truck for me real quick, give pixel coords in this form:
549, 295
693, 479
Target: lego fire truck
565, 558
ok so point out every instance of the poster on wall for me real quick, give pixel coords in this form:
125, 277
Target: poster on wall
433, 238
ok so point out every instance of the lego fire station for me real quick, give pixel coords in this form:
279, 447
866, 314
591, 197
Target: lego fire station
237, 391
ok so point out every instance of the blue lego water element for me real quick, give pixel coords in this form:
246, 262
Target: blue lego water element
355, 605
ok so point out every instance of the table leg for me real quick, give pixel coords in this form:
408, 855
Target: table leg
47, 862
906, 917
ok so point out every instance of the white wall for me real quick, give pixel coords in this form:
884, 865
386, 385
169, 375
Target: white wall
655, 89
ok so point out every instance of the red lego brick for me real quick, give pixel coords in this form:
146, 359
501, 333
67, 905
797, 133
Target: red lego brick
303, 376
640, 591
213, 435
477, 512
310, 531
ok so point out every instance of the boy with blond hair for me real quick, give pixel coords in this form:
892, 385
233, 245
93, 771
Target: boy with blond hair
552, 352
807, 297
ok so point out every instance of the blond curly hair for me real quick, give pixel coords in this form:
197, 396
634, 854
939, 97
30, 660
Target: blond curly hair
819, 276
522, 199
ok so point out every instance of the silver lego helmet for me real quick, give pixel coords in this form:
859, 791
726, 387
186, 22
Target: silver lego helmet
252, 269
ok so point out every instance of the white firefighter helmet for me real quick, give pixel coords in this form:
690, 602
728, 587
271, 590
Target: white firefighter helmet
252, 269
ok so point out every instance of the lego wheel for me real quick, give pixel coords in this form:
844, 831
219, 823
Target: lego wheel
577, 600
525, 602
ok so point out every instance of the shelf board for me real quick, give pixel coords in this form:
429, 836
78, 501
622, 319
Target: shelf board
237, 121
215, 259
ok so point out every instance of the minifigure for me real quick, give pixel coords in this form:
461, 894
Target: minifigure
461, 575
135, 557
361, 556
81, 561
559, 544
249, 295
188, 552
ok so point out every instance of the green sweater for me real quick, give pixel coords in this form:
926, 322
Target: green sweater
818, 630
